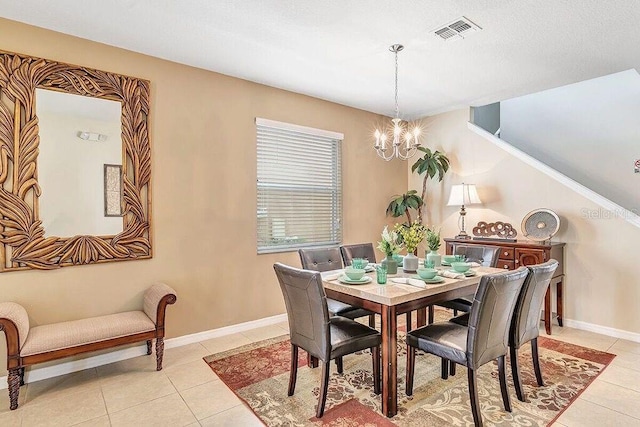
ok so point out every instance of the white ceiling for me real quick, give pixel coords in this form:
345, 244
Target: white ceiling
338, 50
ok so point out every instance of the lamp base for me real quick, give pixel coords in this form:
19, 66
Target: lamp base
463, 237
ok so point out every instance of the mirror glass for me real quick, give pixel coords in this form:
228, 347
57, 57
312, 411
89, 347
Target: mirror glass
80, 155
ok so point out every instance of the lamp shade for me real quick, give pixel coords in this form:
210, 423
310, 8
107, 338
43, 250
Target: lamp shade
463, 194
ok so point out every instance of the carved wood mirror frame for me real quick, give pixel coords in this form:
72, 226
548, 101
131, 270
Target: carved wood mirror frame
23, 243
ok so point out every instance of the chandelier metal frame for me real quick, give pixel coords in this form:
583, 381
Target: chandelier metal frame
404, 143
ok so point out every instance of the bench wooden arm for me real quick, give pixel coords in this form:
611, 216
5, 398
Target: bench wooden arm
156, 299
14, 321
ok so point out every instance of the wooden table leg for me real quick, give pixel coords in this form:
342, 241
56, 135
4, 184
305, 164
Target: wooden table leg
389, 361
422, 316
559, 301
547, 311
312, 361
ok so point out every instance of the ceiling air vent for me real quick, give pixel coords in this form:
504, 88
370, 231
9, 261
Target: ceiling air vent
458, 29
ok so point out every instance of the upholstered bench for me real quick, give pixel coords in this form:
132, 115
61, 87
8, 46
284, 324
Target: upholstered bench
27, 346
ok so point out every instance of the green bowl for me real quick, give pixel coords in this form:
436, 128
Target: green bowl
427, 273
358, 263
449, 258
354, 273
461, 267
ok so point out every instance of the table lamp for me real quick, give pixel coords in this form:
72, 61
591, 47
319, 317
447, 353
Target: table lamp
461, 195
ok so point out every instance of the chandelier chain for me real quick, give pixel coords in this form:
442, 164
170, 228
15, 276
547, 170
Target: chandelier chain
397, 109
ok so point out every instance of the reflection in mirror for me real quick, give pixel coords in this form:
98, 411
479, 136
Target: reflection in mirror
78, 137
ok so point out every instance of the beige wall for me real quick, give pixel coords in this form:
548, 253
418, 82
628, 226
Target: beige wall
602, 284
204, 173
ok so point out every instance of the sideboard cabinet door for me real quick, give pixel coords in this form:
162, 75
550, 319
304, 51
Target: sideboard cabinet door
527, 256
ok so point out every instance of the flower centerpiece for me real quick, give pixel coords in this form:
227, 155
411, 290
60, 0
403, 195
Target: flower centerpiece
433, 242
390, 246
411, 236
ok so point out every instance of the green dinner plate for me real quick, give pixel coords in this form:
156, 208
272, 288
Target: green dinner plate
346, 280
468, 273
437, 279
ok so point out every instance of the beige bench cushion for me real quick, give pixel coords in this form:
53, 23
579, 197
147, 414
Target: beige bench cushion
61, 335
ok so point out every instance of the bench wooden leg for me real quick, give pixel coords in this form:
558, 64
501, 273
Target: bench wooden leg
149, 342
13, 379
159, 353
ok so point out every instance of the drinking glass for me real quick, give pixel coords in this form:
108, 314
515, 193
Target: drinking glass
460, 258
381, 274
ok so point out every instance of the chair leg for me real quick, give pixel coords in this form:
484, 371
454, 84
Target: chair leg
502, 373
409, 321
293, 371
445, 368
536, 361
372, 321
515, 373
473, 396
13, 380
452, 368
322, 399
22, 376
149, 345
375, 355
411, 362
159, 353
431, 314
339, 364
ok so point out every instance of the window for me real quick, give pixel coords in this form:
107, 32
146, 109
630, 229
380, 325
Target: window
299, 187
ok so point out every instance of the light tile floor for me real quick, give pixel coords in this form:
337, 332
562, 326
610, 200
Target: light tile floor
187, 393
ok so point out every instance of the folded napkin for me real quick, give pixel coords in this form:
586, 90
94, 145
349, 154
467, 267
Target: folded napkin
474, 264
332, 276
451, 274
409, 281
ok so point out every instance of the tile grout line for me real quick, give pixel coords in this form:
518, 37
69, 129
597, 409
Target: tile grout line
606, 407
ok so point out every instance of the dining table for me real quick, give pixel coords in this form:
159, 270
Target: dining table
392, 299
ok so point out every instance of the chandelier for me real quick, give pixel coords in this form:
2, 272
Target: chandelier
404, 142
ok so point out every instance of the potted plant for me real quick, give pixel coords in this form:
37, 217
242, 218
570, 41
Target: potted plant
432, 164
401, 205
411, 236
433, 243
390, 246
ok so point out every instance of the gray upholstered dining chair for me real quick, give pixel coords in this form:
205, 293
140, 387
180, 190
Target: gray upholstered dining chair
486, 256
526, 320
327, 259
484, 339
313, 329
360, 250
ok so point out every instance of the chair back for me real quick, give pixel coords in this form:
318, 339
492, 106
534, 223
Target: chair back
487, 256
490, 316
307, 312
526, 314
361, 250
323, 259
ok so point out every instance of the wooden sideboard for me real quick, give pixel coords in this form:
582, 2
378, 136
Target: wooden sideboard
522, 253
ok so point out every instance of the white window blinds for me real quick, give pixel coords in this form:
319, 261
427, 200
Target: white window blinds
299, 187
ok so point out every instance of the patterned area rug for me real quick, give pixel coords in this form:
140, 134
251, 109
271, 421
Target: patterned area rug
259, 373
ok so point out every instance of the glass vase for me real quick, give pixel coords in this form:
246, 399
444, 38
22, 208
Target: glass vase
410, 262
392, 265
435, 257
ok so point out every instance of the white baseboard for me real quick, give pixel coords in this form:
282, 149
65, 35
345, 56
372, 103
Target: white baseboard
64, 368
604, 330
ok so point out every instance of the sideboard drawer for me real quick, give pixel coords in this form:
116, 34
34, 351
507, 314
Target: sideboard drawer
507, 265
507, 253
